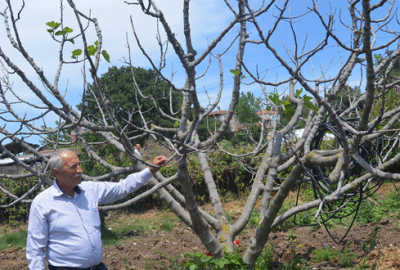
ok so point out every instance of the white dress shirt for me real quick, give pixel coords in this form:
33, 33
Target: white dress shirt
138, 153
66, 229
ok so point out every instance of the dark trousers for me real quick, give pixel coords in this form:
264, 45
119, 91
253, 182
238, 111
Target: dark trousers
100, 266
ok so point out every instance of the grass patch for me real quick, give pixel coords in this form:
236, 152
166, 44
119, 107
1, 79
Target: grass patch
17, 239
168, 222
113, 233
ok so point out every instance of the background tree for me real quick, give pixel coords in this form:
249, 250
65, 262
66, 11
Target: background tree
247, 108
119, 85
283, 163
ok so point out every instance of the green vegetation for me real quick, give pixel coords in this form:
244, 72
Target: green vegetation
117, 235
16, 239
232, 261
325, 254
347, 257
370, 244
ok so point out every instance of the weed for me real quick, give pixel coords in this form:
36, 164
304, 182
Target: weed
291, 236
175, 263
255, 219
297, 262
229, 216
325, 254
231, 261
370, 243
126, 263
365, 265
347, 257
266, 259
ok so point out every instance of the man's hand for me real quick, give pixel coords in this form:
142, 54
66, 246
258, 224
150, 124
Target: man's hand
159, 161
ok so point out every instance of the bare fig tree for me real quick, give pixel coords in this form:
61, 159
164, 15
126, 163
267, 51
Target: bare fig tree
360, 121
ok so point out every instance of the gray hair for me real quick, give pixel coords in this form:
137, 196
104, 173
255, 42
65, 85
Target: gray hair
55, 161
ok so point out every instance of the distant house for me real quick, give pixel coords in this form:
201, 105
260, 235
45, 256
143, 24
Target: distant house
221, 115
8, 166
267, 117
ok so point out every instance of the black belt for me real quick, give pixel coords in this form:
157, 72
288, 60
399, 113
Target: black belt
96, 267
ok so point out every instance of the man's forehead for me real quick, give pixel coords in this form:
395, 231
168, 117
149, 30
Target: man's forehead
68, 157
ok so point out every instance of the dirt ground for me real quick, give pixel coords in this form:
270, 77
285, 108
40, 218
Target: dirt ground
157, 249
162, 250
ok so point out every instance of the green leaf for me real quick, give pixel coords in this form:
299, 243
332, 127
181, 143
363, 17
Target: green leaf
268, 108
289, 111
71, 40
53, 24
60, 33
274, 97
193, 267
76, 53
176, 124
221, 262
309, 105
298, 92
96, 42
243, 76
235, 72
91, 49
285, 102
50, 30
68, 30
106, 55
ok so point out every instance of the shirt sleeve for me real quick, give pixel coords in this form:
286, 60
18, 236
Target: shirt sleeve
37, 237
108, 192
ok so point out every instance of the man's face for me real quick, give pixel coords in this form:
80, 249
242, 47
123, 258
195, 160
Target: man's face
70, 175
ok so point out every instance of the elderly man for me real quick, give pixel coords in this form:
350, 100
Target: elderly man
137, 150
64, 221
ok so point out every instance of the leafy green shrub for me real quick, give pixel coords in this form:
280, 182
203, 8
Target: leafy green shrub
18, 213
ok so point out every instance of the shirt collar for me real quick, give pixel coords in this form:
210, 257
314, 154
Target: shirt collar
56, 191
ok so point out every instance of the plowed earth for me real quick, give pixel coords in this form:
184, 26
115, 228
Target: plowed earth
153, 248
162, 250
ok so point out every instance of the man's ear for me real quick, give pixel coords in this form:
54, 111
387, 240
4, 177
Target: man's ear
55, 172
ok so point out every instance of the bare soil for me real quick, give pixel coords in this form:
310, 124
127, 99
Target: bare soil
154, 248
162, 250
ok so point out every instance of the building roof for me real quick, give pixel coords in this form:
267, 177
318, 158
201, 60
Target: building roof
218, 112
15, 148
260, 112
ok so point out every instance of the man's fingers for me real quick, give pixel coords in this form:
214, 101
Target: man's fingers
160, 160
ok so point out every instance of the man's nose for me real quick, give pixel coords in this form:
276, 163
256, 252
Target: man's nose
79, 169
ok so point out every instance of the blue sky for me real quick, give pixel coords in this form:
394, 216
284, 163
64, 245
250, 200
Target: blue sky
207, 18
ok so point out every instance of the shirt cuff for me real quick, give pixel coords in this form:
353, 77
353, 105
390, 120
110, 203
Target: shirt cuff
145, 174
